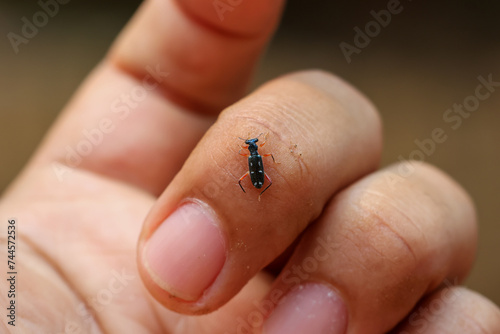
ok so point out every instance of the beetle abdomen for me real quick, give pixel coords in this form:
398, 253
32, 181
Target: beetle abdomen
256, 169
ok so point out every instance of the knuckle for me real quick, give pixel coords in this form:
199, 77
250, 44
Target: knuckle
383, 245
386, 236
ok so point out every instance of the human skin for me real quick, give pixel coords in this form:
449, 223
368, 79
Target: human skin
151, 227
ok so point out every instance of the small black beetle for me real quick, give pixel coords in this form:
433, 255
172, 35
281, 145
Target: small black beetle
255, 166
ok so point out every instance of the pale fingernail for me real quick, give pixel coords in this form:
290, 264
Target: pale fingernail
309, 308
186, 252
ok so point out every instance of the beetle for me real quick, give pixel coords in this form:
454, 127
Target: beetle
255, 165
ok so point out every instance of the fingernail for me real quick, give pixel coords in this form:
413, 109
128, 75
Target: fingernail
186, 252
309, 308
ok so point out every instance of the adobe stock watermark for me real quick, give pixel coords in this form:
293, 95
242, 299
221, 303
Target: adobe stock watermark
31, 26
221, 7
292, 278
86, 311
363, 37
422, 317
120, 109
453, 118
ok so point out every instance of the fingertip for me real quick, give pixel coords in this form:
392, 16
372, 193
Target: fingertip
309, 308
185, 253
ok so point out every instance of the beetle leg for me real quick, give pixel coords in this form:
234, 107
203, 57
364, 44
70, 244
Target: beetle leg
241, 179
269, 155
243, 154
270, 183
264, 140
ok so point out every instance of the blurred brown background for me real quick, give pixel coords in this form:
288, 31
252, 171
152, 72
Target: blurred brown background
425, 60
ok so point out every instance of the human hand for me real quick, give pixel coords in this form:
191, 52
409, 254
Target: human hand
371, 249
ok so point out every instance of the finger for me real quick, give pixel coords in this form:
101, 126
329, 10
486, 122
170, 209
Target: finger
381, 245
205, 238
452, 310
210, 51
152, 98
